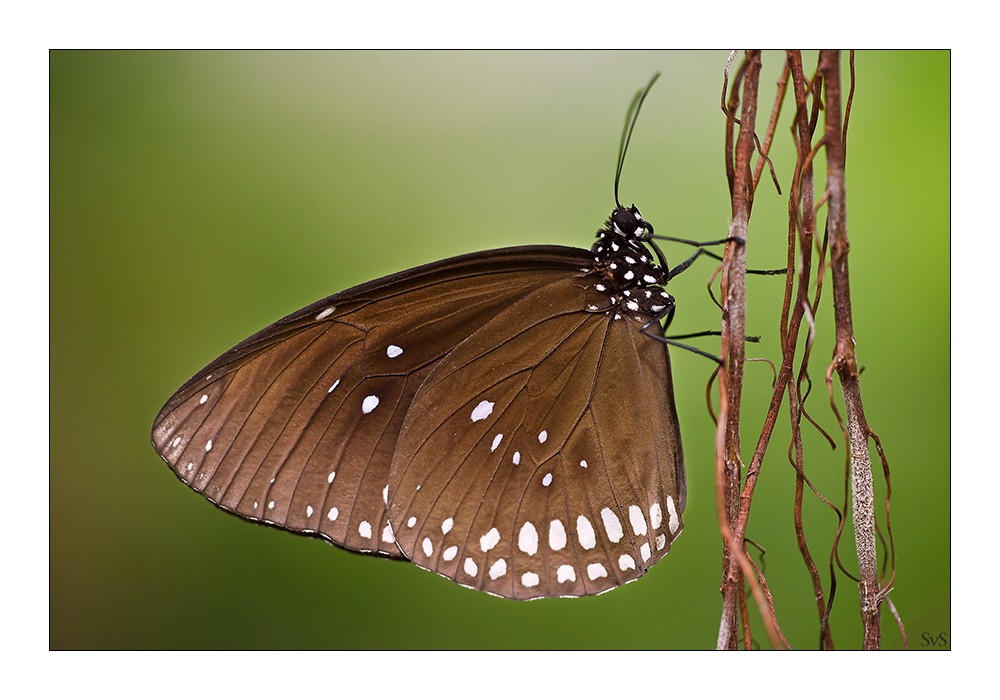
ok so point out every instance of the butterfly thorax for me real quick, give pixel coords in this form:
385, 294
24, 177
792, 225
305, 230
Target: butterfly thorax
629, 275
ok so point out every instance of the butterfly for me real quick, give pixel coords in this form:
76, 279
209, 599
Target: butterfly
504, 418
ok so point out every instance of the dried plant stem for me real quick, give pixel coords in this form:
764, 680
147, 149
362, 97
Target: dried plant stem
733, 283
802, 218
821, 93
801, 187
845, 360
772, 123
736, 564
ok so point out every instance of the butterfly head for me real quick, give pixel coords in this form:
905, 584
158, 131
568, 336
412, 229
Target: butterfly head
628, 223
622, 245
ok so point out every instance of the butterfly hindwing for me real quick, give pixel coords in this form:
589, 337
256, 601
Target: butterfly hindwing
297, 426
560, 471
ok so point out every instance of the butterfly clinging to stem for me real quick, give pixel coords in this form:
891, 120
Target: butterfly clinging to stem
503, 418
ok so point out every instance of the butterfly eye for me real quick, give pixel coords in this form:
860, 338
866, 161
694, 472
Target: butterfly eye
624, 221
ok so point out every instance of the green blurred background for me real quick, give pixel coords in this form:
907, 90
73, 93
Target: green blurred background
197, 197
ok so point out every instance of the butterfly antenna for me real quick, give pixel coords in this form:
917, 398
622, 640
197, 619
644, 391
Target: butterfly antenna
630, 119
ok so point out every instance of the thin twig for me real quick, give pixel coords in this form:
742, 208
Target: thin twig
899, 622
772, 126
770, 602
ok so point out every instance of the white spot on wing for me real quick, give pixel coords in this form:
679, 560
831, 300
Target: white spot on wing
527, 539
638, 522
365, 529
498, 569
482, 410
543, 436
330, 478
470, 567
450, 553
394, 351
565, 573
332, 515
596, 571
427, 546
529, 579
385, 494
411, 522
661, 542
517, 458
204, 398
557, 535
309, 511
644, 551
674, 521
496, 442
271, 504
326, 312
612, 525
655, 515
208, 446
333, 386
585, 531
547, 479
447, 525
387, 535
176, 442
583, 463
489, 540
625, 562
369, 404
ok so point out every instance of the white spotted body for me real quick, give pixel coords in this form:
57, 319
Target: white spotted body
628, 275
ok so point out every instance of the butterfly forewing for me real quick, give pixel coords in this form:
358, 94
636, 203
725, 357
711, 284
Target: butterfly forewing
297, 425
542, 457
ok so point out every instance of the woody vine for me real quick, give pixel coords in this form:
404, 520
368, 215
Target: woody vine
817, 97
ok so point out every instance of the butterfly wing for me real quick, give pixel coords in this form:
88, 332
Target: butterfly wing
542, 457
297, 425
